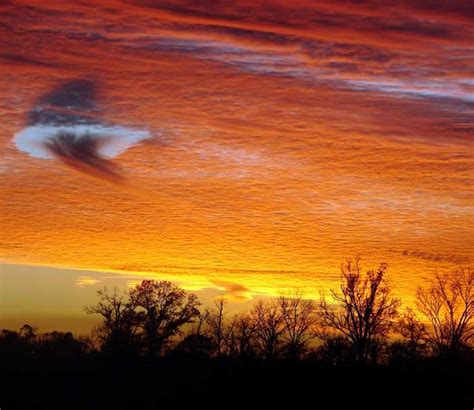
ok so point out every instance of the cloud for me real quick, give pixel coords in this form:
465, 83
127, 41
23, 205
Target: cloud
81, 152
351, 123
16, 59
69, 104
132, 283
361, 46
436, 257
83, 281
234, 291
64, 125
365, 23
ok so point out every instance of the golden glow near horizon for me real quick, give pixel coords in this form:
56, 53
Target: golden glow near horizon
282, 140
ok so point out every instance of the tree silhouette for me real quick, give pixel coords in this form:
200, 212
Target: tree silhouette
448, 305
363, 309
27, 343
269, 328
199, 322
15, 344
299, 318
195, 344
61, 344
335, 349
119, 330
217, 326
242, 337
414, 332
27, 332
163, 308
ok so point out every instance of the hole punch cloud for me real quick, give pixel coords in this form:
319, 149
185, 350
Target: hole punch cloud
111, 141
63, 125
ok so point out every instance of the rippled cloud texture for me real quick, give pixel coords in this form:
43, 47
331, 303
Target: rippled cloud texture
281, 137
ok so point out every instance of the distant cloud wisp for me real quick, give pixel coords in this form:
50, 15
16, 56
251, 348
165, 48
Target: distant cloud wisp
436, 257
83, 281
234, 291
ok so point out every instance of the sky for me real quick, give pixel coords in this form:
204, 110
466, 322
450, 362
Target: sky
238, 148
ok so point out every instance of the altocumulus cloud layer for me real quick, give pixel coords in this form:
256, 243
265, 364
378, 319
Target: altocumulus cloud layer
292, 134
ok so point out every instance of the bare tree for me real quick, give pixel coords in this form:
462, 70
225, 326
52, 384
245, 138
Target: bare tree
363, 310
242, 337
269, 328
219, 330
196, 341
163, 308
299, 318
199, 322
410, 327
119, 329
448, 305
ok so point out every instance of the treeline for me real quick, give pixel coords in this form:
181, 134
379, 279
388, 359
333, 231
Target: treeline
360, 322
156, 347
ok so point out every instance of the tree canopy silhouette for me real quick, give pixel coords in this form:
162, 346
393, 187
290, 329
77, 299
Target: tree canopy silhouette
363, 310
448, 305
269, 328
119, 330
299, 318
163, 308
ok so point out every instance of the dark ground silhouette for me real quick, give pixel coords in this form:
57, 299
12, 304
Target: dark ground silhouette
155, 349
100, 382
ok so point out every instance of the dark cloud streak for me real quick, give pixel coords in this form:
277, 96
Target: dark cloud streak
81, 152
70, 103
436, 257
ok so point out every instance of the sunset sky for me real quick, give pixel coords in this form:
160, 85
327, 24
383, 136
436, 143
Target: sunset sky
236, 147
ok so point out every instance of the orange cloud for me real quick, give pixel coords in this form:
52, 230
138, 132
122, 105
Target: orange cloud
286, 138
233, 291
